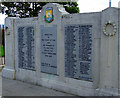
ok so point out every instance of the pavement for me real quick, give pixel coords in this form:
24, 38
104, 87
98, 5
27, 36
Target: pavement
18, 88
0, 85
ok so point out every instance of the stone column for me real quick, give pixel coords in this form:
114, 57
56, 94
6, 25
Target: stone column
109, 52
54, 29
9, 69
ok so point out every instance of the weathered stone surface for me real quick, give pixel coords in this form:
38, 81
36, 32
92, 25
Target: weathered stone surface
72, 53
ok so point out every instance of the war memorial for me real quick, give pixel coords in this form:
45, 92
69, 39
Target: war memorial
73, 53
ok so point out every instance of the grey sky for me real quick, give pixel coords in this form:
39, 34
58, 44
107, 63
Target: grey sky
95, 5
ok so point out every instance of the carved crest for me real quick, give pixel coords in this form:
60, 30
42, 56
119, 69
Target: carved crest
49, 17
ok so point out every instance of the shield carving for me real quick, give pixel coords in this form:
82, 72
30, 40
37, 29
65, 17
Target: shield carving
49, 17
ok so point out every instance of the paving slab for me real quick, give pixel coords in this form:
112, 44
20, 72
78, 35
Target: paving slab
18, 88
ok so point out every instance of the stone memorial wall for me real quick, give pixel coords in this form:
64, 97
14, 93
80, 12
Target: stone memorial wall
74, 53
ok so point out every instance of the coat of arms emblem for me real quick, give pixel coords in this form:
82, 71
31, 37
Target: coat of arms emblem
49, 15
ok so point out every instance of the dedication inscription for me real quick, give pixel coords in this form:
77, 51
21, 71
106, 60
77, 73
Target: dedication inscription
78, 50
49, 49
26, 58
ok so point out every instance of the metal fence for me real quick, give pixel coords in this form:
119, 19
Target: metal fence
2, 45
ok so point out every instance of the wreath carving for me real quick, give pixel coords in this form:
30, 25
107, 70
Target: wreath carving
110, 29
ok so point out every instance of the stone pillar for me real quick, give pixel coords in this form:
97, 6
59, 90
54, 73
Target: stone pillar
109, 52
9, 69
52, 30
